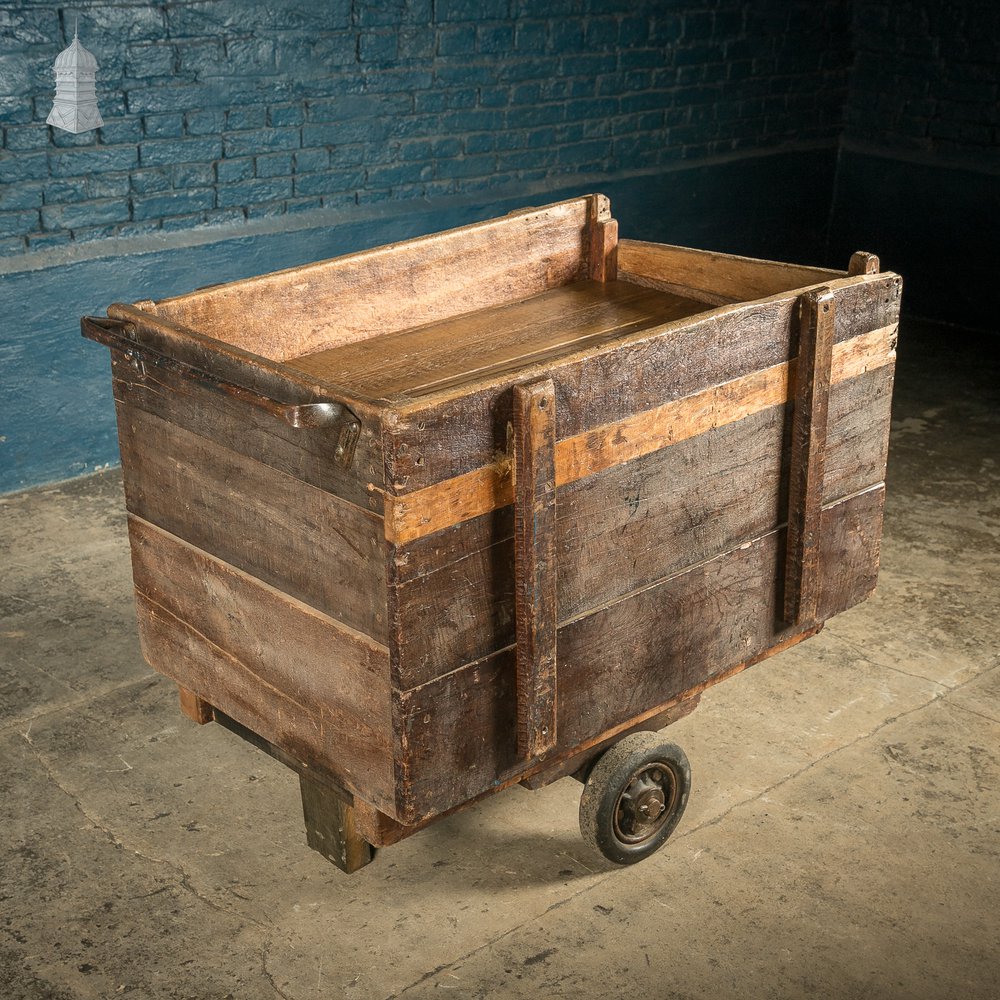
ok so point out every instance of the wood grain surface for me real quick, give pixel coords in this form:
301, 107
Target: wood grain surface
642, 651
290, 674
715, 277
307, 309
810, 414
477, 492
305, 453
626, 526
451, 352
302, 540
464, 429
535, 567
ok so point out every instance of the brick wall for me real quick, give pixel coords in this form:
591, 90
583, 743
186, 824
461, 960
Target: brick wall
926, 78
917, 170
218, 112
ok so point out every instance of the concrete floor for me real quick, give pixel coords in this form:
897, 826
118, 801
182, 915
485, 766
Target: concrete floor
842, 840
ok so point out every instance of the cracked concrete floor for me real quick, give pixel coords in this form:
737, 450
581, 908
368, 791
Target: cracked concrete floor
843, 836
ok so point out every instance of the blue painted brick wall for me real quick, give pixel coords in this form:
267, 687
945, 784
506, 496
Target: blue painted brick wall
926, 78
221, 111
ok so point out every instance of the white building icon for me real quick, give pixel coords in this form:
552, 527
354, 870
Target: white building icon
75, 107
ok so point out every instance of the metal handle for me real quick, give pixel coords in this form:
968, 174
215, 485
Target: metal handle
122, 335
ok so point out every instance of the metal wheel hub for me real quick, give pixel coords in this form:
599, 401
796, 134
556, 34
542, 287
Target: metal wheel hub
645, 804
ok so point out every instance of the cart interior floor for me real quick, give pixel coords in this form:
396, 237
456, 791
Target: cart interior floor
482, 344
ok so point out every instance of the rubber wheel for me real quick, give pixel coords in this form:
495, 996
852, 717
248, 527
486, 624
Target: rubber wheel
634, 797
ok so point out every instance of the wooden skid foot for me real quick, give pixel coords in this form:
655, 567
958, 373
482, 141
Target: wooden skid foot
195, 708
331, 827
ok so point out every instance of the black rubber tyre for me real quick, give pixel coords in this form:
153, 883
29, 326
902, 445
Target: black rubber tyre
634, 797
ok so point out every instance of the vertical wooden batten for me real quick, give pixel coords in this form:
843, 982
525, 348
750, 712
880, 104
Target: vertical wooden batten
603, 240
534, 433
809, 430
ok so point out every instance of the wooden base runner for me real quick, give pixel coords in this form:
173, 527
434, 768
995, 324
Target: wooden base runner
195, 708
332, 826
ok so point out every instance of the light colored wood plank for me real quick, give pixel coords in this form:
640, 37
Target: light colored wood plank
722, 277
306, 309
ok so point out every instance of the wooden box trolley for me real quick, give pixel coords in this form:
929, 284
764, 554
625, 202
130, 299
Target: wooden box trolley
496, 505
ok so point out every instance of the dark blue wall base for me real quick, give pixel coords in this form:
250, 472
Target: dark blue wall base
57, 413
938, 226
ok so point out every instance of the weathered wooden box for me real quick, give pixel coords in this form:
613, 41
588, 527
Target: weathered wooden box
321, 468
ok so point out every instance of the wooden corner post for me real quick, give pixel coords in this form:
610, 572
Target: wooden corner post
805, 478
603, 230
862, 262
534, 440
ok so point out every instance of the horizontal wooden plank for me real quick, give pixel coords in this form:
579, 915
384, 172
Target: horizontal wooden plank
635, 655
626, 527
301, 540
416, 361
307, 453
351, 750
437, 507
306, 309
723, 277
451, 434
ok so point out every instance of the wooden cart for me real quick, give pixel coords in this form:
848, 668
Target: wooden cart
492, 505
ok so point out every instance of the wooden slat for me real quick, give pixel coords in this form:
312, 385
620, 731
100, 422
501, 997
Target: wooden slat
306, 309
307, 543
294, 676
808, 446
463, 429
535, 566
416, 361
437, 507
722, 277
622, 662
